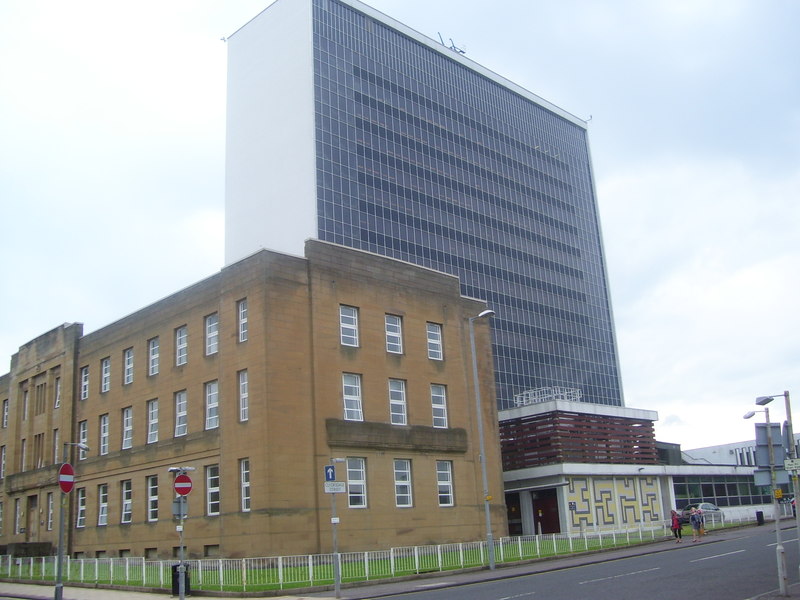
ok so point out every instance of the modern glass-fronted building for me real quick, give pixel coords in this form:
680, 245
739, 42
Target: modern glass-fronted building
350, 127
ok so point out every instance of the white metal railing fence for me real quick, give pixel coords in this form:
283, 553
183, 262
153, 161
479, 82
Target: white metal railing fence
282, 572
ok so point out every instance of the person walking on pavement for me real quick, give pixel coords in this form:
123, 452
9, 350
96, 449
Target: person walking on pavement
695, 518
676, 527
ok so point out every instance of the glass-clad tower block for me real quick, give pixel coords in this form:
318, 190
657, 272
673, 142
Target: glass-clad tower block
350, 127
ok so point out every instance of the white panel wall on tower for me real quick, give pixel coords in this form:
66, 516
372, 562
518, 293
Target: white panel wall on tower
270, 176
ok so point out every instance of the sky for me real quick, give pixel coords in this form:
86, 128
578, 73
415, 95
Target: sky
112, 145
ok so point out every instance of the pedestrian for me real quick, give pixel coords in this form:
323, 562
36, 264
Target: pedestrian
676, 527
695, 521
702, 522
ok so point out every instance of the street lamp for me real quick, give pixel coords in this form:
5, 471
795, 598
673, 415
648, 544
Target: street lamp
486, 497
58, 593
764, 400
779, 553
180, 503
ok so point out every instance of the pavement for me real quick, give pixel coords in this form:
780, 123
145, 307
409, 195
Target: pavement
395, 586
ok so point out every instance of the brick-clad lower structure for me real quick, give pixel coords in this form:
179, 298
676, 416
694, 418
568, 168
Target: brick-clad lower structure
257, 377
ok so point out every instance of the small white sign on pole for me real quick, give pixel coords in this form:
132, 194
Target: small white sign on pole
335, 487
791, 464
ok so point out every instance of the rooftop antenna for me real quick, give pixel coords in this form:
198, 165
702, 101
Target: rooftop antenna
452, 45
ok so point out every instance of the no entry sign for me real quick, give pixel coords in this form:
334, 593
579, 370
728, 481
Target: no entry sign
66, 478
183, 484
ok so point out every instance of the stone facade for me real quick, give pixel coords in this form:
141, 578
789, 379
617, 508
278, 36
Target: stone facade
258, 479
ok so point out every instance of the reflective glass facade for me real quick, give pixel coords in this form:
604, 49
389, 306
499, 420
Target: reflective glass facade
421, 158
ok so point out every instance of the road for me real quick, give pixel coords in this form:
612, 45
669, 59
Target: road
732, 569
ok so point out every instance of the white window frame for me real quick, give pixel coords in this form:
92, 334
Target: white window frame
434, 336
212, 491
398, 409
244, 396
5, 414
17, 516
439, 405
83, 438
57, 400
104, 434
348, 325
244, 484
102, 505
351, 397
23, 449
105, 374
153, 356
212, 333
57, 457
84, 383
403, 487
444, 482
356, 482
152, 421
2, 462
127, 428
50, 511
394, 334
1, 518
212, 404
126, 498
127, 362
152, 498
181, 414
80, 513
181, 345
241, 311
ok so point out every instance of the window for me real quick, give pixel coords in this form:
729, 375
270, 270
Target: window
397, 402
181, 418
105, 375
439, 405
1, 518
212, 405
153, 352
152, 498
394, 334
435, 351
18, 516
244, 402
212, 334
57, 400
127, 428
181, 345
83, 438
25, 405
152, 421
103, 434
22, 451
348, 325
356, 482
241, 310
351, 392
38, 450
444, 480
5, 413
84, 383
56, 448
212, 490
127, 365
244, 483
50, 511
80, 518
403, 497
102, 505
2, 462
126, 494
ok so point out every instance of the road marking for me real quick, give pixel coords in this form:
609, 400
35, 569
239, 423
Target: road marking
621, 575
717, 556
517, 596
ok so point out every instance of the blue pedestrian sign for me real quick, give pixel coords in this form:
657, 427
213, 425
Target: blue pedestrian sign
330, 473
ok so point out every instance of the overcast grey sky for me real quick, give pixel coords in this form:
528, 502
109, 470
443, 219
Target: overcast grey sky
112, 140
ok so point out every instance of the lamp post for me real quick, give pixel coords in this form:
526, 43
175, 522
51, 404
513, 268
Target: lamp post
779, 552
486, 497
337, 573
763, 400
180, 504
58, 593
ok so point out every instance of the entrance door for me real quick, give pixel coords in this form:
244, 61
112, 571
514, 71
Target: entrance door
32, 520
545, 511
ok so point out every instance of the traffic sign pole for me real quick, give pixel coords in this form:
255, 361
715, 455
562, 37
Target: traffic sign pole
182, 486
